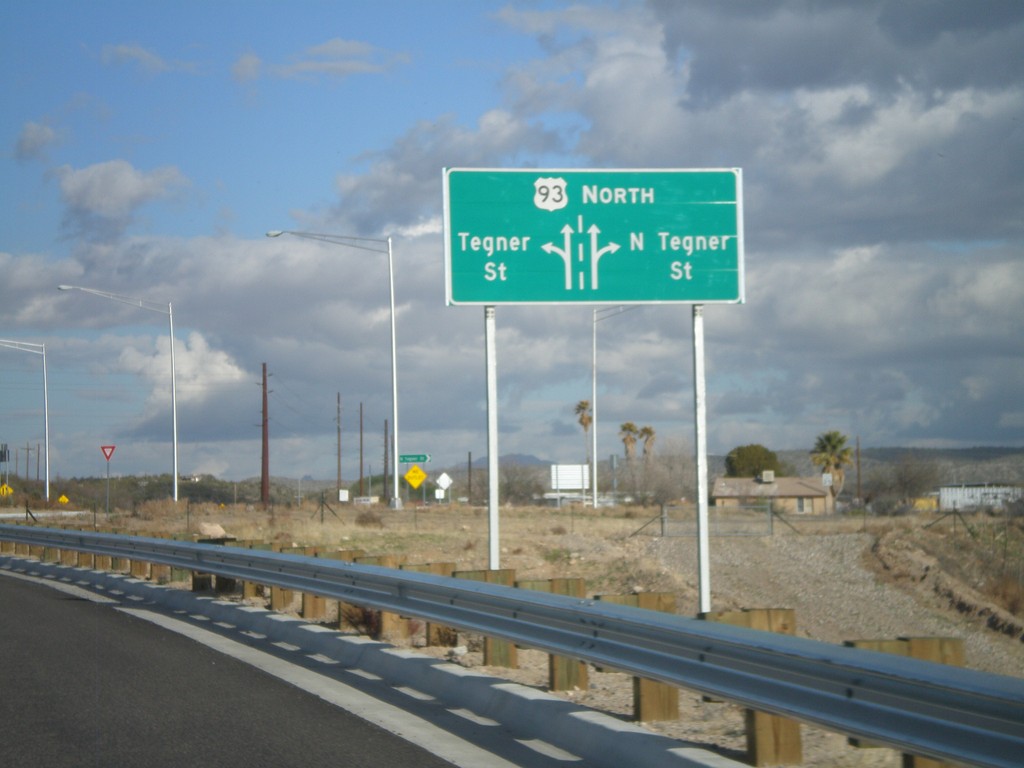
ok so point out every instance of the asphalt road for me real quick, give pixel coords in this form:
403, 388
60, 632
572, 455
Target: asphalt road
88, 684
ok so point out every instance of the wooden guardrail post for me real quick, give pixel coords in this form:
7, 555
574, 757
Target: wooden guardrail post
497, 652
250, 589
204, 581
771, 739
941, 650
347, 556
282, 599
314, 607
652, 700
564, 674
382, 625
436, 634
160, 573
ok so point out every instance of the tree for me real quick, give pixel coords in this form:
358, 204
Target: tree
751, 461
519, 483
831, 453
893, 487
913, 478
629, 434
585, 416
647, 435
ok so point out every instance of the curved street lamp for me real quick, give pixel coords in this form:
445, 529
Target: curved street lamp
38, 349
152, 307
376, 245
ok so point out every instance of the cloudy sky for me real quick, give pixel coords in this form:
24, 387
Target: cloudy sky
147, 148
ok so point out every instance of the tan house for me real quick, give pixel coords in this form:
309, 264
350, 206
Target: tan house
788, 495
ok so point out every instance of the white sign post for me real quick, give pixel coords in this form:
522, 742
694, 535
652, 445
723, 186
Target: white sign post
108, 451
444, 482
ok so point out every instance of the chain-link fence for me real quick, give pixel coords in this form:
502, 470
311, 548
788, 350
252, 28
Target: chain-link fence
733, 520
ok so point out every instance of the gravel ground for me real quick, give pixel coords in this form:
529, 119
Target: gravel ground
840, 589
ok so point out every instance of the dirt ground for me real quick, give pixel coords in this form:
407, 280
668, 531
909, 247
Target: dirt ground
845, 578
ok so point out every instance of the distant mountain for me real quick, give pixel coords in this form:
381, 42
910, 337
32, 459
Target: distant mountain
983, 464
522, 459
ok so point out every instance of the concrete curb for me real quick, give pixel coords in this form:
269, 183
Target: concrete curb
599, 739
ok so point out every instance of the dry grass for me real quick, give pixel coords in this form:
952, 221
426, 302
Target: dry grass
537, 542
599, 546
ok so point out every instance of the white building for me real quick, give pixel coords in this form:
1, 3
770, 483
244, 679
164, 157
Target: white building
977, 495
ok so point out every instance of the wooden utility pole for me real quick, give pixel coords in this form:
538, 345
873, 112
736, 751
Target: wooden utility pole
860, 499
265, 465
361, 491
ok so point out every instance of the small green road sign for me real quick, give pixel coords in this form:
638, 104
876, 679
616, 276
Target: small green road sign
527, 236
413, 458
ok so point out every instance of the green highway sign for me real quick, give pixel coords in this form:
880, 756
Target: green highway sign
529, 236
413, 458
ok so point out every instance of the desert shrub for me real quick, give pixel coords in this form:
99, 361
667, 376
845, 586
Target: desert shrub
365, 621
1008, 591
557, 555
369, 519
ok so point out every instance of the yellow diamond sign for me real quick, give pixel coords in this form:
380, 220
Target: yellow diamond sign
415, 476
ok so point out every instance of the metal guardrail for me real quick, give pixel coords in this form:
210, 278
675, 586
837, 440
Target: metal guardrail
947, 713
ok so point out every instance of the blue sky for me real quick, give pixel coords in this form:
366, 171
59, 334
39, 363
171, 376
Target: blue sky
148, 147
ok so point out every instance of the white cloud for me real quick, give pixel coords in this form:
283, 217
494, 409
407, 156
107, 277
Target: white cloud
112, 191
247, 67
340, 58
889, 131
200, 372
34, 140
145, 59
135, 53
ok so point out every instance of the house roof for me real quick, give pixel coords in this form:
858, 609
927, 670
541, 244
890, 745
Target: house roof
782, 487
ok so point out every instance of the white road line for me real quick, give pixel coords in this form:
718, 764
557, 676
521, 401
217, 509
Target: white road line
392, 719
69, 589
473, 717
549, 750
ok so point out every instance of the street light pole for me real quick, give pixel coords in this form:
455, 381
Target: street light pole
598, 316
152, 307
376, 245
38, 349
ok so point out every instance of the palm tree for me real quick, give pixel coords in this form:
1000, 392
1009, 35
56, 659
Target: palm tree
586, 418
831, 454
629, 434
647, 435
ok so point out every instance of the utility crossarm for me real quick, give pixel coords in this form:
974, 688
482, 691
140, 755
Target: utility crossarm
943, 712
